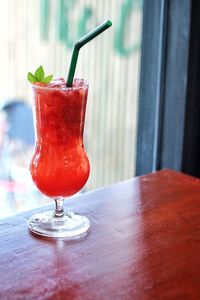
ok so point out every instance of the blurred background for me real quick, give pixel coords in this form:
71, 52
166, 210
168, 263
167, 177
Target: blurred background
42, 32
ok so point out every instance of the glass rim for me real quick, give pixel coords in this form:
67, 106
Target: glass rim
86, 84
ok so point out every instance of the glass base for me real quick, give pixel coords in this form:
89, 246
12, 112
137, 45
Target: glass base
68, 225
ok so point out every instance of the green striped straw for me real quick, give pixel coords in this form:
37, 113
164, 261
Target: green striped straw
80, 43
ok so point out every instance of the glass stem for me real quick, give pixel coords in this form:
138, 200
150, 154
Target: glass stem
59, 210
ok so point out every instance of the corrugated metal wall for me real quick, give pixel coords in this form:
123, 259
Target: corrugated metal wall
43, 31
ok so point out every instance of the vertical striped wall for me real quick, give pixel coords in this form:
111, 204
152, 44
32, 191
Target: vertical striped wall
32, 35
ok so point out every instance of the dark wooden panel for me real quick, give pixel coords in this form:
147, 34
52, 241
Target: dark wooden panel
191, 162
163, 85
144, 243
175, 90
149, 86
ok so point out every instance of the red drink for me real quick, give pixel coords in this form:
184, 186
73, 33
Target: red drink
60, 166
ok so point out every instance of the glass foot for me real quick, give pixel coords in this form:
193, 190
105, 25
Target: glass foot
49, 225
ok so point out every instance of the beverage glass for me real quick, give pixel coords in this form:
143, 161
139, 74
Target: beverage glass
59, 166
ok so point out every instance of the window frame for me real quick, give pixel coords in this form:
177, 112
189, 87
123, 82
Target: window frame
162, 108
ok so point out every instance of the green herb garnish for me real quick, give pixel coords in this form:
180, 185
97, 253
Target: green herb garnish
39, 76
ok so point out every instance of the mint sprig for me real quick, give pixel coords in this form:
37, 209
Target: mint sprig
39, 76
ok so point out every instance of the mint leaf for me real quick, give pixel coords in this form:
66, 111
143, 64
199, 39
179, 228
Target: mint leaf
39, 74
47, 79
31, 77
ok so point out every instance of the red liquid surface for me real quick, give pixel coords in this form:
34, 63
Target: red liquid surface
60, 166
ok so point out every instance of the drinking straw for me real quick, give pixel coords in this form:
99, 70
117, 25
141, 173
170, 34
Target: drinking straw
80, 43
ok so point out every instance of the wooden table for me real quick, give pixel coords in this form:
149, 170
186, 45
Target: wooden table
144, 243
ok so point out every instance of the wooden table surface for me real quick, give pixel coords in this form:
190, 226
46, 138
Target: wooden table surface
144, 243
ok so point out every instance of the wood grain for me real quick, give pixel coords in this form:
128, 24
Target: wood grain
144, 243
